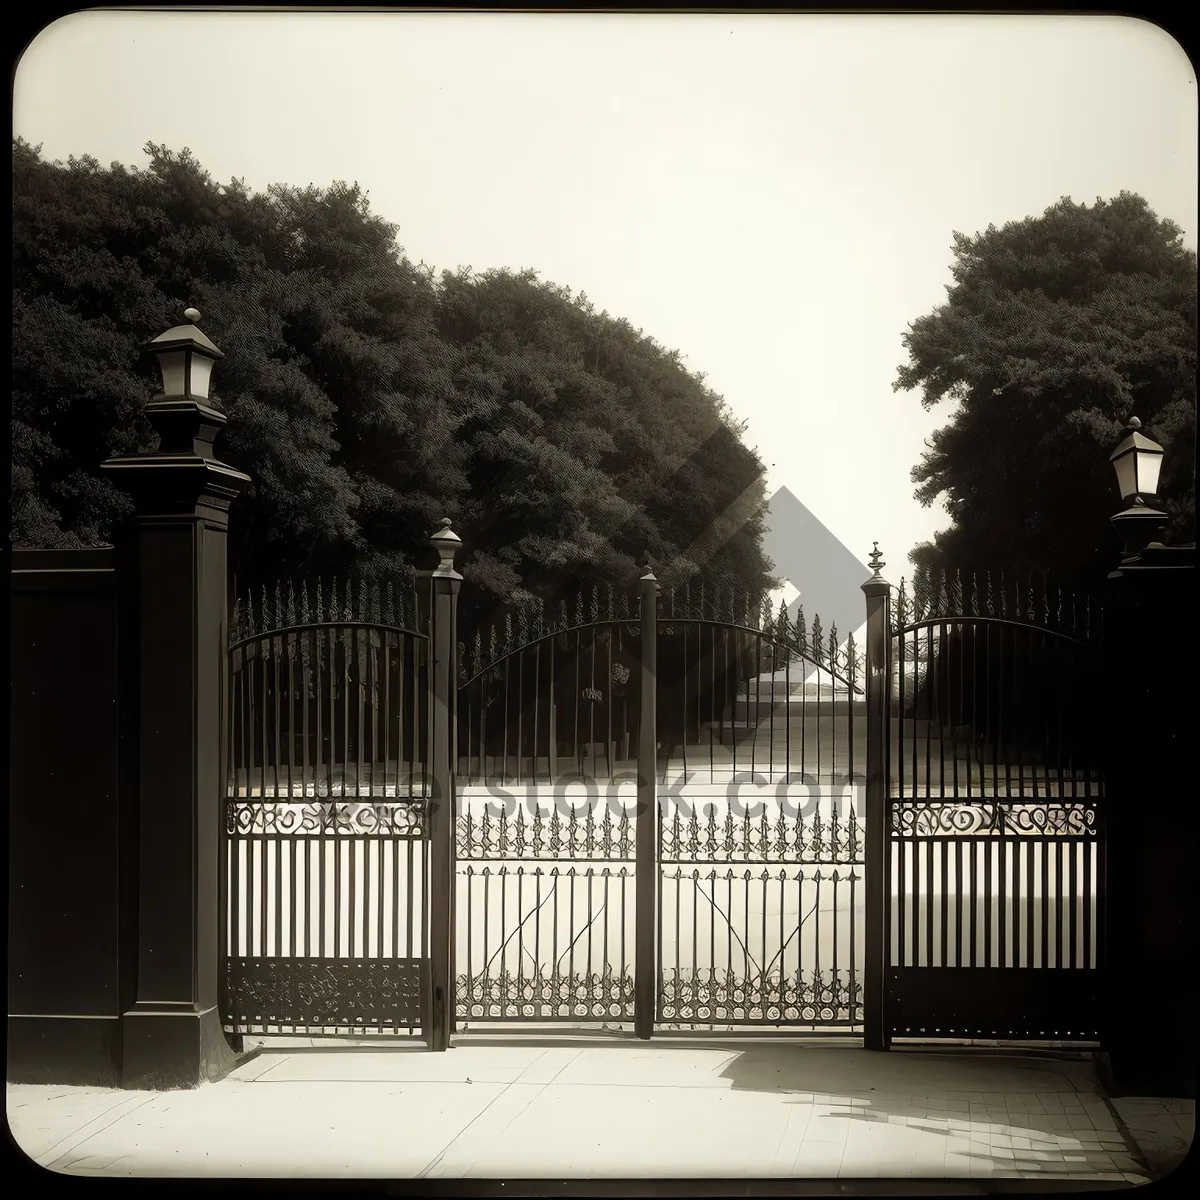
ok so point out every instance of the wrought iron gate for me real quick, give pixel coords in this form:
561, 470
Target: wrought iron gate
324, 861
754, 902
760, 844
994, 815
547, 768
679, 811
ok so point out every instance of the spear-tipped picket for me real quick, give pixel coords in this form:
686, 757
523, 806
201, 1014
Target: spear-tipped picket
594, 605
833, 647
974, 594
783, 629
236, 621
915, 589
291, 605
477, 658
801, 631
818, 638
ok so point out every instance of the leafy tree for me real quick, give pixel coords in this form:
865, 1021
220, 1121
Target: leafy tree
1057, 329
366, 397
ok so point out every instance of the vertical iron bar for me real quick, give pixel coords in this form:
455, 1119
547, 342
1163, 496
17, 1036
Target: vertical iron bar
933, 708
712, 697
1046, 844
927, 901
504, 742
876, 855
1030, 909
950, 706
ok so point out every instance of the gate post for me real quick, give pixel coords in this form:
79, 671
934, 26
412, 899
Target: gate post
875, 857
438, 1019
172, 1036
645, 966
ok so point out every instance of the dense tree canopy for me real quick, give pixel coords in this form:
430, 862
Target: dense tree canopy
366, 397
1057, 330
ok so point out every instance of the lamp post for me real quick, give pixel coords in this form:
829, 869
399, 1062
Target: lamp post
1137, 461
172, 1036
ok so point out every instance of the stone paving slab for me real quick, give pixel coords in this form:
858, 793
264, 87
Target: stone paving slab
745, 1110
1163, 1129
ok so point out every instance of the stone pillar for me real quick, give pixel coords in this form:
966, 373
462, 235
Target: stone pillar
1151, 826
172, 1035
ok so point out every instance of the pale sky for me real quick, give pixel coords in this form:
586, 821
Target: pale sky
772, 195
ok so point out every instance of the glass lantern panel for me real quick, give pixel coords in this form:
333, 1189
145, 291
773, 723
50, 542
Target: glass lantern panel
172, 365
1149, 468
201, 376
1127, 475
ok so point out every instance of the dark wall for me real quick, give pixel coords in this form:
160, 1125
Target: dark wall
71, 816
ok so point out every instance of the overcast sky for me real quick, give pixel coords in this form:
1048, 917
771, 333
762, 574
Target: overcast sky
773, 196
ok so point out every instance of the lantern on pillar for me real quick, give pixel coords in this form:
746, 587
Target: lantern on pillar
185, 360
1137, 461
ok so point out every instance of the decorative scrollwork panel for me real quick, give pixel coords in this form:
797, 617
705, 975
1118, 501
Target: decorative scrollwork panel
266, 994
729, 999
553, 996
402, 819
984, 818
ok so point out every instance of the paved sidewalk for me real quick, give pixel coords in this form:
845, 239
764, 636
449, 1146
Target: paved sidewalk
1162, 1129
570, 1109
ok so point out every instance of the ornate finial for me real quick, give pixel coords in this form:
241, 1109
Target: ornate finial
1134, 423
876, 560
191, 314
446, 542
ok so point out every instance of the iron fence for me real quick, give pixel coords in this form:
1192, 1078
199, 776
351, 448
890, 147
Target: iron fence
324, 859
994, 813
